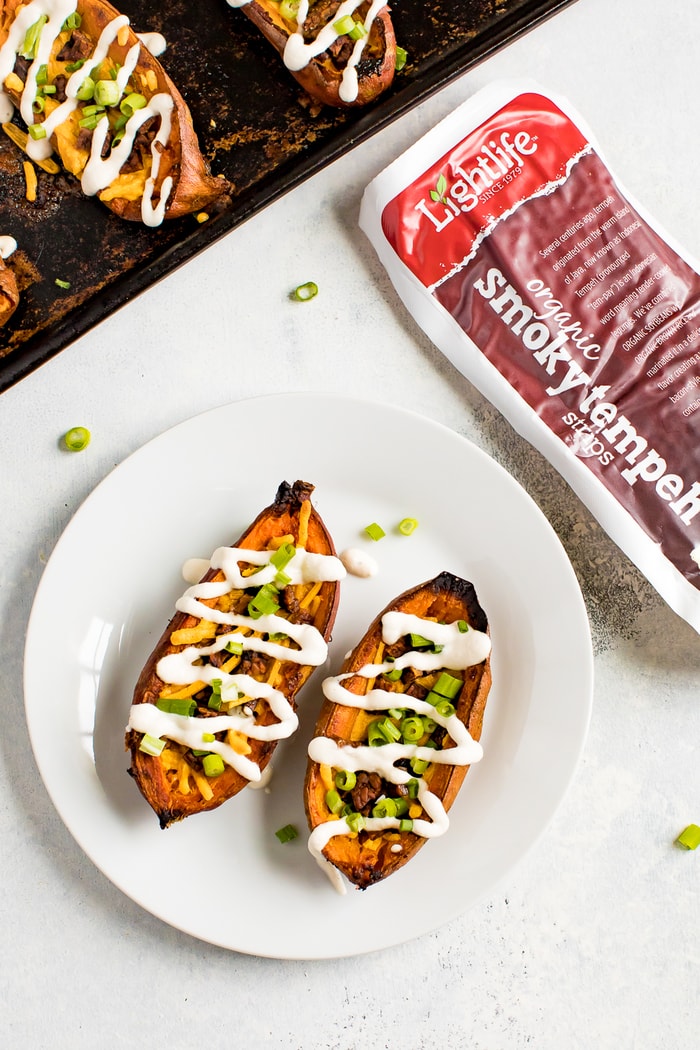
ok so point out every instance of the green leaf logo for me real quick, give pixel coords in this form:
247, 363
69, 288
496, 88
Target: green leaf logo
438, 194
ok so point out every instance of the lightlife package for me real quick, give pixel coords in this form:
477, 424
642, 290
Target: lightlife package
524, 260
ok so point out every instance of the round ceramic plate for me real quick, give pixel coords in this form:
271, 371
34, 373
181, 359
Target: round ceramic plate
110, 587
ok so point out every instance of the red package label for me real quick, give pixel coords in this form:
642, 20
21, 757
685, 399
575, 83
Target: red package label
523, 236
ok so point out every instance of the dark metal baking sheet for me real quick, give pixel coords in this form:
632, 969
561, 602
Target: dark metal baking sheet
252, 126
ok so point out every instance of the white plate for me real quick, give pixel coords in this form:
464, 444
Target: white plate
110, 587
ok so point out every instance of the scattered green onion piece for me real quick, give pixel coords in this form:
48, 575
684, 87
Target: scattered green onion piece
213, 765
107, 92
92, 111
282, 580
287, 833
407, 526
73, 67
264, 602
389, 730
283, 555
86, 90
374, 531
690, 838
429, 724
37, 131
114, 71
303, 292
215, 698
234, 647
199, 753
151, 745
62, 284
355, 821
406, 824
277, 636
401, 58
38, 104
463, 626
73, 21
419, 766
42, 75
396, 712
344, 25
334, 801
92, 121
31, 38
375, 737
345, 780
386, 807
177, 705
412, 729
76, 439
412, 786
208, 738
401, 803
417, 641
131, 103
448, 686
49, 89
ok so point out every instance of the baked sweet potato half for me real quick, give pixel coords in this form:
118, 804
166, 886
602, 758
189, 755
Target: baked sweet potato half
90, 91
397, 732
344, 51
219, 689
9, 292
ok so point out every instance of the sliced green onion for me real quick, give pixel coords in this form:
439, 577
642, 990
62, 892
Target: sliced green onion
92, 111
401, 803
355, 821
177, 705
429, 724
690, 838
281, 580
32, 37
445, 708
151, 745
334, 801
86, 90
73, 21
131, 103
344, 26
412, 729
447, 685
215, 698
412, 786
401, 58
92, 121
49, 89
107, 92
358, 31
406, 824
264, 602
417, 641
385, 808
37, 131
213, 765
345, 780
42, 75
303, 292
277, 636
375, 736
76, 439
283, 555
208, 738
289, 9
234, 647
394, 675
38, 104
374, 531
407, 526
396, 712
287, 833
73, 67
463, 626
419, 766
389, 730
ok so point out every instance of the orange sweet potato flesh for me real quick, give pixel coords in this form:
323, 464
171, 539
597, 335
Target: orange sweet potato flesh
322, 77
9, 293
447, 599
194, 188
281, 518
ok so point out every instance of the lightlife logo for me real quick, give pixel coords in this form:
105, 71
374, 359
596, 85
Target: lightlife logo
498, 162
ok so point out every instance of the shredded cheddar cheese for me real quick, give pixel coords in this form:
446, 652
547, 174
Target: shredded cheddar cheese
304, 515
30, 180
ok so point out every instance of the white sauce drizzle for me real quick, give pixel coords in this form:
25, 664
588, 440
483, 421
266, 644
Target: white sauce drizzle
194, 568
461, 650
182, 668
99, 172
359, 562
8, 245
153, 42
298, 54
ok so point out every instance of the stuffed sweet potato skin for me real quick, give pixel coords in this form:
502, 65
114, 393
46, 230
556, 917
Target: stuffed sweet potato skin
322, 77
9, 293
446, 598
282, 518
194, 188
